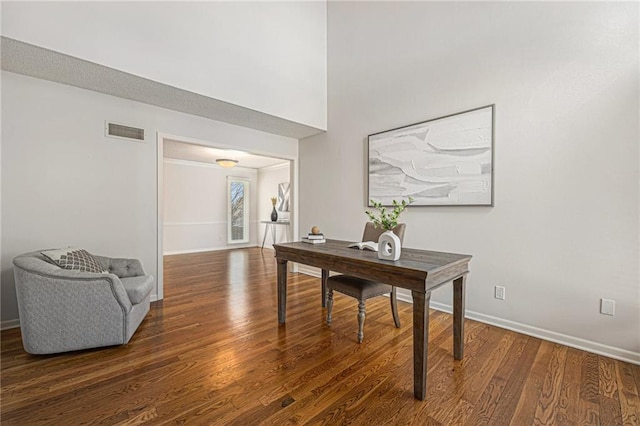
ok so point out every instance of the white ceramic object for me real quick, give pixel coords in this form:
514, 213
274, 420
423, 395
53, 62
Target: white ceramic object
389, 246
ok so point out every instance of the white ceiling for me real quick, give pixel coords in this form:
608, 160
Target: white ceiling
203, 154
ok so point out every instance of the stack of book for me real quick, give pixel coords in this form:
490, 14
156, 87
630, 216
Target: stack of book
314, 239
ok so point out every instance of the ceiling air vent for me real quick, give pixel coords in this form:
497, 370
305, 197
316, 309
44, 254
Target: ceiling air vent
120, 131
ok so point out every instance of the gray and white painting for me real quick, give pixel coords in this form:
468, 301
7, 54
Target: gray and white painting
283, 197
446, 161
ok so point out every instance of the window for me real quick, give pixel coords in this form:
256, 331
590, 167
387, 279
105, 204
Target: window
237, 210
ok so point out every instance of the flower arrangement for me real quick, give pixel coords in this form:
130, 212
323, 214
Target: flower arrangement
384, 219
273, 201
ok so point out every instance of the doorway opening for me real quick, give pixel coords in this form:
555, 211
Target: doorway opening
203, 206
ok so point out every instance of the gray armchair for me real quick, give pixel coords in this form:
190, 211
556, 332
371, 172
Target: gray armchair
63, 310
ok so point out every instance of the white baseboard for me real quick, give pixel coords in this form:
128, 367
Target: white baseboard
14, 323
540, 333
552, 336
200, 250
310, 270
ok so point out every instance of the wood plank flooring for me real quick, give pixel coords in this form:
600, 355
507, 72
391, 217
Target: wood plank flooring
212, 353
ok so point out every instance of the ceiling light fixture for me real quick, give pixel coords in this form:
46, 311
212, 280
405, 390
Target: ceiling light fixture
226, 163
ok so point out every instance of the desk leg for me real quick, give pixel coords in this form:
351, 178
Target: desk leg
420, 343
458, 316
282, 290
325, 277
266, 229
273, 233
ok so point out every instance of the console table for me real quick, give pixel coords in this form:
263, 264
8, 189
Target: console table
420, 271
273, 225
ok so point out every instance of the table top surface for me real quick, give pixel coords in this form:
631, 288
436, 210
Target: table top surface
276, 222
337, 250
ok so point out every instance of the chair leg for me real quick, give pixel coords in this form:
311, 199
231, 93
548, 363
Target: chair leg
394, 307
361, 315
329, 305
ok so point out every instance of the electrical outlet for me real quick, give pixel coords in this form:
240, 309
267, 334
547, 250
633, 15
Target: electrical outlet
607, 307
499, 292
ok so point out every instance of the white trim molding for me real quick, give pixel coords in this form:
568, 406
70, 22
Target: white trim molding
540, 333
274, 167
219, 222
159, 215
6, 325
201, 250
551, 336
192, 163
194, 223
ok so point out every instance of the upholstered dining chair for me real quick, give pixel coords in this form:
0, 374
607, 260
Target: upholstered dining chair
362, 289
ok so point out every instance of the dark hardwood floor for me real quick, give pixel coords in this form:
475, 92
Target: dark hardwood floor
212, 353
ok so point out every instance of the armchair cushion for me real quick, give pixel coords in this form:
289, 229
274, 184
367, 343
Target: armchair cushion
359, 288
122, 268
74, 259
137, 288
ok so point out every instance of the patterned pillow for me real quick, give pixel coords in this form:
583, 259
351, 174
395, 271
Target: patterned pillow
75, 259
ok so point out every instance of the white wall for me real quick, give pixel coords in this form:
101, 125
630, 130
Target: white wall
195, 206
564, 231
266, 56
268, 180
64, 183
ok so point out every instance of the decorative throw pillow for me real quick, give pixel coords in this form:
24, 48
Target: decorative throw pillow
75, 259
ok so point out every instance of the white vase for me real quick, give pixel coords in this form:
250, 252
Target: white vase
389, 246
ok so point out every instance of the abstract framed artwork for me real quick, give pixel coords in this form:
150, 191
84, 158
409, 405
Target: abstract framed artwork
446, 161
283, 197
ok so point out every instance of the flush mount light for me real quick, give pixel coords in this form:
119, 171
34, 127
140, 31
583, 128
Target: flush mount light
226, 163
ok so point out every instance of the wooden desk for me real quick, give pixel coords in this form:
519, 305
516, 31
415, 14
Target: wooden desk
420, 271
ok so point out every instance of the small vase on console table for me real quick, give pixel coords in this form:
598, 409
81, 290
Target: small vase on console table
274, 215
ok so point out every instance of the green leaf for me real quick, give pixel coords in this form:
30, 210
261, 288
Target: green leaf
387, 220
